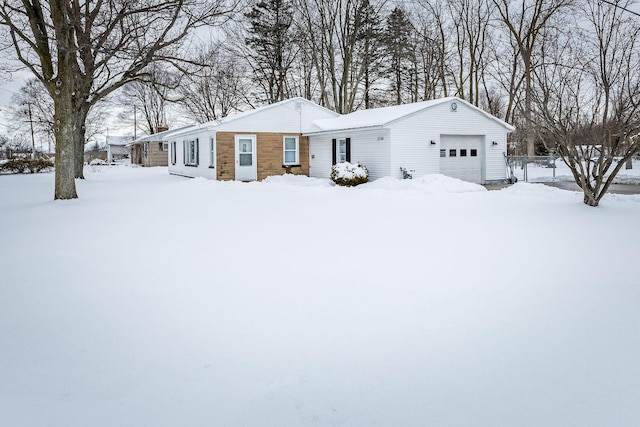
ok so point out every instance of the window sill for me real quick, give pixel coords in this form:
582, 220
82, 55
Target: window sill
212, 167
291, 166
192, 166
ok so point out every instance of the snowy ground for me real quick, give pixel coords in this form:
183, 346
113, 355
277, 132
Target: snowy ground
155, 300
536, 173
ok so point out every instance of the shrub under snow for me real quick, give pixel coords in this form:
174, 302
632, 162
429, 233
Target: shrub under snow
349, 174
26, 165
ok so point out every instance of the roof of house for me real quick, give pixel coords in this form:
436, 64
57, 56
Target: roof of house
244, 114
159, 136
119, 140
228, 119
378, 117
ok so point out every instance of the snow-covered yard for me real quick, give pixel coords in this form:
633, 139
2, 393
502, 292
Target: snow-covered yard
154, 300
537, 173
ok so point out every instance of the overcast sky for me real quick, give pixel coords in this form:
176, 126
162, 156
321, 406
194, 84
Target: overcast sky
7, 88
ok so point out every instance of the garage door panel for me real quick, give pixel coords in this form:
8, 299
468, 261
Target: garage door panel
461, 157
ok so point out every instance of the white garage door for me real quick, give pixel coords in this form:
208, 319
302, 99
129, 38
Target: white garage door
461, 157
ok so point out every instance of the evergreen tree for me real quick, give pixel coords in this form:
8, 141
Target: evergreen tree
399, 48
271, 45
370, 37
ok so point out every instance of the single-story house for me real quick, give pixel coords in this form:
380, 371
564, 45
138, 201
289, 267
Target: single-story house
448, 136
117, 147
151, 150
247, 146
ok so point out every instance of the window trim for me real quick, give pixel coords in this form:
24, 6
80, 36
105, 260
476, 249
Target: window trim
188, 161
173, 152
296, 160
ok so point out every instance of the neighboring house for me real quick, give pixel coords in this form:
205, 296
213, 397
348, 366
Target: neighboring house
151, 150
117, 147
248, 146
448, 136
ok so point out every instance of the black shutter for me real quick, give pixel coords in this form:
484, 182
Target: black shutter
197, 152
349, 150
333, 151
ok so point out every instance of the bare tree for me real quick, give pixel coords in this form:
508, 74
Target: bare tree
335, 29
32, 111
151, 97
82, 51
431, 28
470, 20
588, 98
525, 22
215, 85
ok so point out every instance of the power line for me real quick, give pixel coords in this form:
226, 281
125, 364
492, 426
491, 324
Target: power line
620, 7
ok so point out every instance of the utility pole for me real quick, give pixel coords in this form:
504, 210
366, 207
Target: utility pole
135, 121
33, 139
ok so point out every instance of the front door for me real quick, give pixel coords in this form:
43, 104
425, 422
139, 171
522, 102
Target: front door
246, 168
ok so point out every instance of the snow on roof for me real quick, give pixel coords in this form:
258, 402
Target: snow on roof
265, 107
228, 119
119, 140
377, 117
162, 136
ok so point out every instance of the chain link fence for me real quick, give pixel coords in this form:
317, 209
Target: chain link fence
518, 166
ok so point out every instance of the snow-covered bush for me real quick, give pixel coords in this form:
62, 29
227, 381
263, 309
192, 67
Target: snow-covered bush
349, 174
26, 166
97, 162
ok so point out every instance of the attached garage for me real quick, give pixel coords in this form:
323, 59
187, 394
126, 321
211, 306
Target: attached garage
448, 136
461, 157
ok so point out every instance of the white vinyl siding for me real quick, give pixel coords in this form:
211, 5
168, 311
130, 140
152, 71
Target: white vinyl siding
430, 124
369, 147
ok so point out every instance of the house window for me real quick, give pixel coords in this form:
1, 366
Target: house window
463, 152
342, 150
191, 152
212, 152
145, 149
474, 152
452, 153
443, 153
173, 152
291, 150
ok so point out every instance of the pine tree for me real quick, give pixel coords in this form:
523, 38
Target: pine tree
272, 46
370, 37
399, 50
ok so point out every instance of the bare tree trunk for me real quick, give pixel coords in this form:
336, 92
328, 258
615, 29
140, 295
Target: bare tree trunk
65, 185
79, 142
